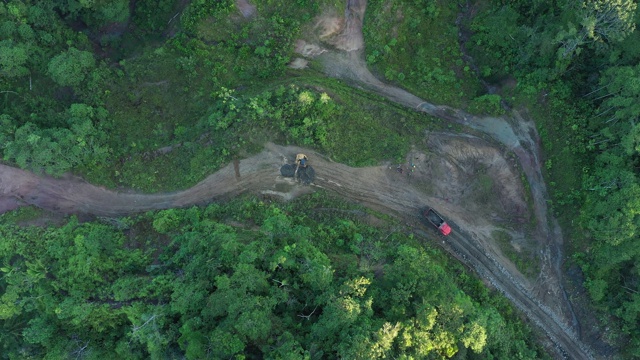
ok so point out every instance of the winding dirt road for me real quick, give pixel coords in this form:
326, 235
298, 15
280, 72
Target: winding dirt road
381, 188
544, 301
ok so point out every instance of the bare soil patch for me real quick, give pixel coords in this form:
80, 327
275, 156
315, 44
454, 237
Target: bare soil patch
246, 8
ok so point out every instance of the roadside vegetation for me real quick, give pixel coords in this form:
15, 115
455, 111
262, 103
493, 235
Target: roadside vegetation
525, 261
156, 96
153, 101
403, 49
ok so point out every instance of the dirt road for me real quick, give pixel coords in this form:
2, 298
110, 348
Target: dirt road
381, 187
452, 161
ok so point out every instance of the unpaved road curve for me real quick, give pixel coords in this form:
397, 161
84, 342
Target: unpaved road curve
379, 188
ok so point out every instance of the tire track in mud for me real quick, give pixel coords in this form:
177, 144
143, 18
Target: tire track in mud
488, 268
405, 201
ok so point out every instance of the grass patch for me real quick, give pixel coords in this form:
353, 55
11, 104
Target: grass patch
174, 118
22, 214
527, 263
565, 160
415, 45
484, 191
368, 128
154, 103
191, 139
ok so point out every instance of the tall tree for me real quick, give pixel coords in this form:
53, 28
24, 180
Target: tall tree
71, 67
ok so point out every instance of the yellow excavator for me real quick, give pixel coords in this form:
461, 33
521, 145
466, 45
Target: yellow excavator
301, 162
302, 171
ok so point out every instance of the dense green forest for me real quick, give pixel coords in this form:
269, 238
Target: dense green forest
576, 64
98, 87
246, 279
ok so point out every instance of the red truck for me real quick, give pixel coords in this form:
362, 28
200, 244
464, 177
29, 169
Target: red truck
437, 221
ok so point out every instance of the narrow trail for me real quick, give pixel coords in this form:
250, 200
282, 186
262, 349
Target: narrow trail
375, 187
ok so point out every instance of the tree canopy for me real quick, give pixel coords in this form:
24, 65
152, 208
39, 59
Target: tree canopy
186, 283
